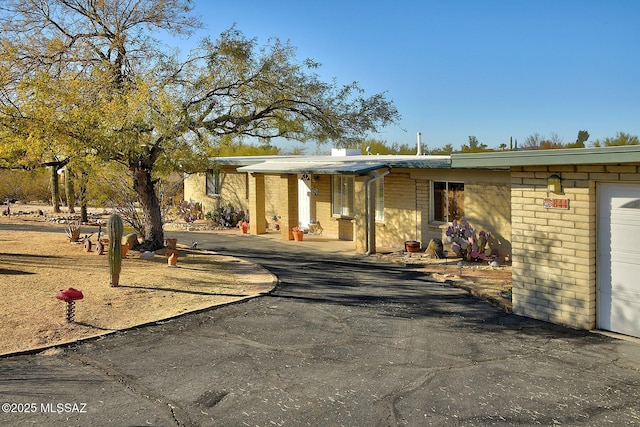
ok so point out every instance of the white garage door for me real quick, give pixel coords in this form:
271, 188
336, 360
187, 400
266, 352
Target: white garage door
619, 259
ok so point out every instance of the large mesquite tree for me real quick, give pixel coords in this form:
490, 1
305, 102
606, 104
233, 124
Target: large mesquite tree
85, 78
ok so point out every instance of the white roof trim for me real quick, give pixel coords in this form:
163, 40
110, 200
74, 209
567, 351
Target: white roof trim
331, 168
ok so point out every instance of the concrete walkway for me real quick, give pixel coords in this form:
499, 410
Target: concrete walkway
344, 340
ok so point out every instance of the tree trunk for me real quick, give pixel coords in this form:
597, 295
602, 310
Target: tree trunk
84, 217
69, 190
144, 187
55, 190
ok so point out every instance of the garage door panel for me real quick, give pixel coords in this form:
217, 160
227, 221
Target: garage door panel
624, 259
619, 258
624, 315
623, 291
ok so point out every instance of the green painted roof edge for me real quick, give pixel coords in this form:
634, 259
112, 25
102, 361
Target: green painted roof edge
565, 156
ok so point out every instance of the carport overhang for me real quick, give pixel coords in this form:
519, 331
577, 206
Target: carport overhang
317, 168
370, 169
330, 165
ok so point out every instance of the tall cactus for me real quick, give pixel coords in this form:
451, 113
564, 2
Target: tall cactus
114, 228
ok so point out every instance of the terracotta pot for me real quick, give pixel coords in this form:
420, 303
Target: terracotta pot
125, 249
171, 243
171, 252
172, 260
297, 235
245, 227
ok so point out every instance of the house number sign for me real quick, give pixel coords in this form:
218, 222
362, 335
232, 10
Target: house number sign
549, 203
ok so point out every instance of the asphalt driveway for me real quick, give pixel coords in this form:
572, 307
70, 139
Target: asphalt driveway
344, 340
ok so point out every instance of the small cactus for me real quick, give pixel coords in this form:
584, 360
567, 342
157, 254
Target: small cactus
114, 228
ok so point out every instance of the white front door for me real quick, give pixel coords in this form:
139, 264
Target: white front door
618, 259
304, 201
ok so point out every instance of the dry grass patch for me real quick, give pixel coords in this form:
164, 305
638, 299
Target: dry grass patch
35, 265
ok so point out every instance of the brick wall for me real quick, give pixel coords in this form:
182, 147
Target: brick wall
401, 219
195, 188
407, 206
234, 190
554, 250
488, 208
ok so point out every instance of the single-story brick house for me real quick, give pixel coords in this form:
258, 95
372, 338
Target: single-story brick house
569, 218
374, 201
575, 234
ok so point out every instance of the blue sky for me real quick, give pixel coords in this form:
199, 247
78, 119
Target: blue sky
491, 69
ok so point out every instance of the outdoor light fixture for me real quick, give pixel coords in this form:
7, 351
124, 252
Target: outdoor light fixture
554, 185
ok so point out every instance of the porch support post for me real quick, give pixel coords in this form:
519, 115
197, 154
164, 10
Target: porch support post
423, 190
288, 205
362, 220
257, 219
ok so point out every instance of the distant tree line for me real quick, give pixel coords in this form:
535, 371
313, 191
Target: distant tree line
473, 145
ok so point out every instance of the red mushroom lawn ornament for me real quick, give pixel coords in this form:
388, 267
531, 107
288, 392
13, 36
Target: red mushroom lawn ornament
70, 296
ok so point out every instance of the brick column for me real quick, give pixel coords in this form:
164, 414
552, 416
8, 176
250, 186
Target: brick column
360, 214
288, 209
257, 219
423, 188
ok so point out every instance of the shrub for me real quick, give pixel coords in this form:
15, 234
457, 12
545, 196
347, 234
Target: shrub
227, 216
468, 244
190, 211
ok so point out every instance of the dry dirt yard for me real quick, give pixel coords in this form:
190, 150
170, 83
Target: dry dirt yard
35, 265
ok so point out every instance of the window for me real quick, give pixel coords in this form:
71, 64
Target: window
342, 195
378, 190
448, 201
213, 183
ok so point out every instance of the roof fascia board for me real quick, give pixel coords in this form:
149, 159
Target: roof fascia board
409, 162
565, 156
312, 168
